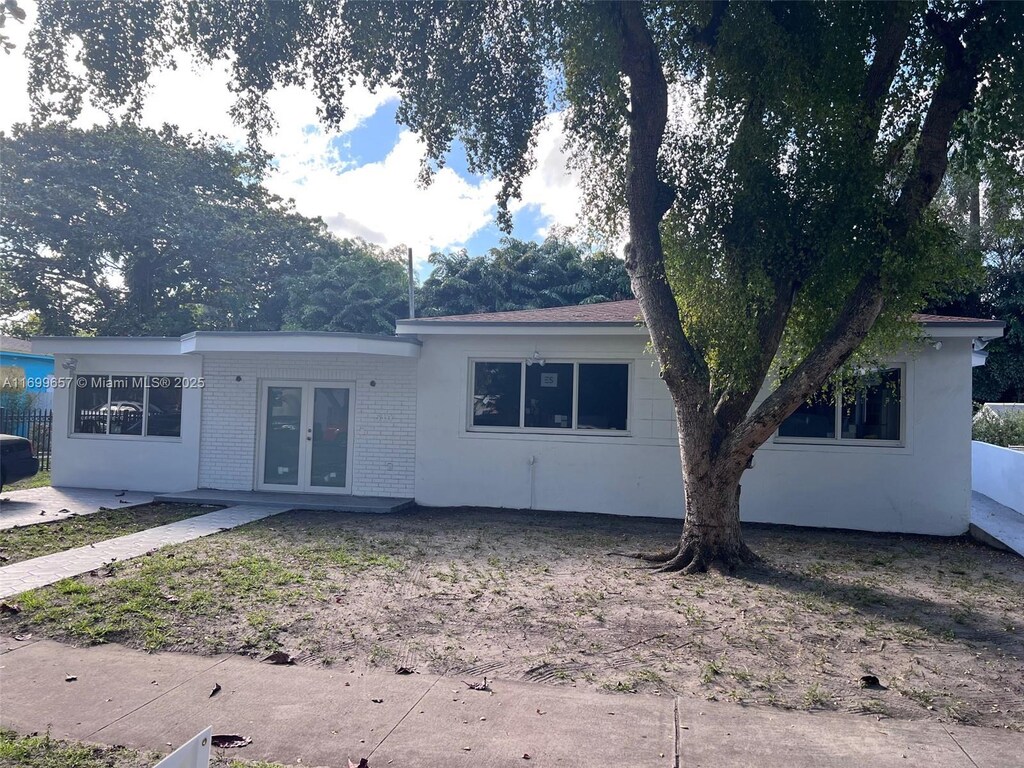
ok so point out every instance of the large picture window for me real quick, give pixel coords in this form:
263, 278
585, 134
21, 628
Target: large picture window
871, 410
127, 404
550, 396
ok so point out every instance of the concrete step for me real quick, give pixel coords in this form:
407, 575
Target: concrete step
327, 502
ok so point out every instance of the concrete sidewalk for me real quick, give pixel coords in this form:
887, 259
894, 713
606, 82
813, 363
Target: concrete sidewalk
322, 717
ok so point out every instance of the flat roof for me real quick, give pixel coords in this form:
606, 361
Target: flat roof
626, 314
227, 342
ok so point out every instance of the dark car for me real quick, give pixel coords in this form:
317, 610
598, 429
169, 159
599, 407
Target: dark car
17, 459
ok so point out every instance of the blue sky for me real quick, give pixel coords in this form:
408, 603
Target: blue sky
360, 179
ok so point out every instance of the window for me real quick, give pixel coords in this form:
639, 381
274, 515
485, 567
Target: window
871, 411
496, 394
550, 396
127, 404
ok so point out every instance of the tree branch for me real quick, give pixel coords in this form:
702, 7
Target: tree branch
708, 35
734, 404
953, 96
848, 331
649, 198
885, 63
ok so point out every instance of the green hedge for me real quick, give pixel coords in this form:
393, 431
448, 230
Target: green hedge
1005, 430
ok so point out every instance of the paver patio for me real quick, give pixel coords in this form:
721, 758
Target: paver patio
25, 507
314, 716
40, 571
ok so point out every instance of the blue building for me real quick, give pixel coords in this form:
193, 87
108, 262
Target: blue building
17, 360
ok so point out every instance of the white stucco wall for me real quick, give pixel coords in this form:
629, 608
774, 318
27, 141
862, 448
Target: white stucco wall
383, 443
127, 462
923, 486
635, 475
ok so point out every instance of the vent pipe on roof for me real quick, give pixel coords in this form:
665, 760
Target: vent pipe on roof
412, 290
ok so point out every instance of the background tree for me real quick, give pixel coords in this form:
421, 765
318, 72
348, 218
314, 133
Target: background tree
350, 286
983, 200
796, 160
521, 275
125, 231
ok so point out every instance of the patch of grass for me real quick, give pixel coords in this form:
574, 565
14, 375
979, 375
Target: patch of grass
45, 538
42, 751
711, 670
38, 480
875, 707
816, 696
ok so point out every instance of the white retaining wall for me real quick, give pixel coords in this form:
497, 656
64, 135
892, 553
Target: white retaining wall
999, 474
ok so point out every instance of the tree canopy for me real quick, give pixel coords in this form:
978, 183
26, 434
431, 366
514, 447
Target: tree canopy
774, 164
521, 275
350, 286
120, 230
983, 201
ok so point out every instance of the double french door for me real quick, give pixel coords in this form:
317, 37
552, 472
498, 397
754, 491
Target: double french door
306, 437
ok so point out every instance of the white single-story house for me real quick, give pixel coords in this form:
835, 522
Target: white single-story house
551, 409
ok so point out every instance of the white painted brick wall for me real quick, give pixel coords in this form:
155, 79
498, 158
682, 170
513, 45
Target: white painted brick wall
384, 443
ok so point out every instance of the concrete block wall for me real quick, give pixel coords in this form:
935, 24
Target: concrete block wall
384, 442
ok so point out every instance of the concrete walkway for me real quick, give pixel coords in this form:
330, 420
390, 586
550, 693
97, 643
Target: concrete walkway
40, 571
323, 717
25, 507
996, 524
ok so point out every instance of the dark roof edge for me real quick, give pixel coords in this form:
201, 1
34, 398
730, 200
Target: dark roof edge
325, 334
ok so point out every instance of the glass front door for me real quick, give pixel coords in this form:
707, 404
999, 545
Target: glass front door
328, 457
306, 443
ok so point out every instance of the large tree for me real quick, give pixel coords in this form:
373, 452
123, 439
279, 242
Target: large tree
983, 200
350, 286
521, 275
125, 231
788, 154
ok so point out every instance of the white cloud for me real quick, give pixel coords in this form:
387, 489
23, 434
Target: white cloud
379, 201
552, 186
384, 198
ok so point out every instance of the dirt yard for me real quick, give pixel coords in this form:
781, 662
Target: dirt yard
535, 596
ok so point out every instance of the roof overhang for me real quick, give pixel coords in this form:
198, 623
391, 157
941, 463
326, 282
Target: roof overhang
982, 329
106, 345
230, 342
464, 328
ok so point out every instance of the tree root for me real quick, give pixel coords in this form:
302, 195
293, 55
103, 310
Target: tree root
698, 558
650, 557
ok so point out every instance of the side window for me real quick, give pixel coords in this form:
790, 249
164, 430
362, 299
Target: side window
127, 404
496, 394
872, 410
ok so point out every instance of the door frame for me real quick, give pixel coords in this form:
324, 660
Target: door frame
305, 445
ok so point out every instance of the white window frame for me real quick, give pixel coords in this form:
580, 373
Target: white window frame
838, 423
575, 429
110, 377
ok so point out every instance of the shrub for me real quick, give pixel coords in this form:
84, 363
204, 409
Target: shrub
1004, 430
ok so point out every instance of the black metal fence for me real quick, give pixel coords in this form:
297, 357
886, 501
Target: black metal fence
34, 423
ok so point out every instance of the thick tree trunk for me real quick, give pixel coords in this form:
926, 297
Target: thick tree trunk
711, 533
711, 537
